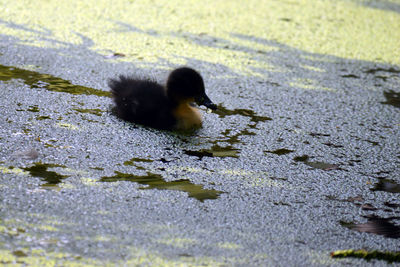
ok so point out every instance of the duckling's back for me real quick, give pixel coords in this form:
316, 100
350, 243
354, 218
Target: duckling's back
142, 101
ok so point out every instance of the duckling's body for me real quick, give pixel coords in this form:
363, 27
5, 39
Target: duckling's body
148, 103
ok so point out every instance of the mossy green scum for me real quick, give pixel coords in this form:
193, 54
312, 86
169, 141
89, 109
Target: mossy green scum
160, 31
367, 255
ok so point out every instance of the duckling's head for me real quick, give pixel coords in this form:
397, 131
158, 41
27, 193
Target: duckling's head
186, 85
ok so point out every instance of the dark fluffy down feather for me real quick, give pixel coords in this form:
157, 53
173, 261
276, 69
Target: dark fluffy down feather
142, 101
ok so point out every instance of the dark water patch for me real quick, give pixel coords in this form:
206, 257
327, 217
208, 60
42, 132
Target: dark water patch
46, 81
200, 154
353, 161
278, 178
319, 135
19, 253
350, 76
392, 205
383, 78
371, 142
316, 165
41, 118
33, 108
97, 168
322, 165
40, 170
156, 181
280, 203
132, 161
388, 256
387, 185
332, 145
230, 151
376, 225
301, 158
279, 152
223, 112
164, 160
392, 98
89, 120
94, 111
368, 206
375, 70
234, 139
214, 151
185, 255
241, 133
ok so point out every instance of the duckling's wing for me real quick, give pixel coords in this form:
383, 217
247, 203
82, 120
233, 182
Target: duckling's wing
142, 101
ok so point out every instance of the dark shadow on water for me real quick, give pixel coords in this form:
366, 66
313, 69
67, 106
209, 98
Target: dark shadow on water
40, 170
48, 82
376, 225
156, 181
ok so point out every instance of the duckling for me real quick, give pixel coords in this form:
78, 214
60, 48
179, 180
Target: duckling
168, 108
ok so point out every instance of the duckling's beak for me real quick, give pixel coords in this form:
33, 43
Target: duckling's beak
205, 101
